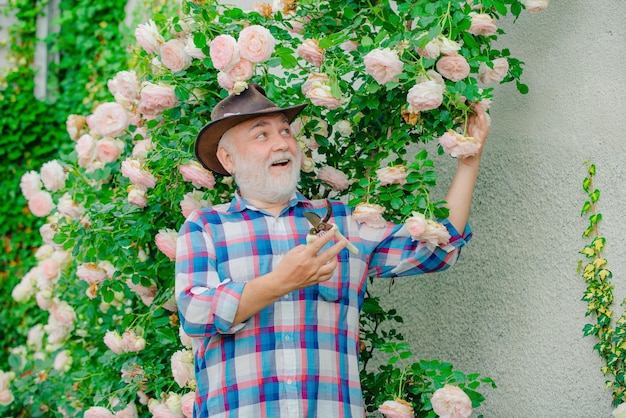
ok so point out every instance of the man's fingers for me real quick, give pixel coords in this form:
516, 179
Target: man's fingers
332, 252
316, 244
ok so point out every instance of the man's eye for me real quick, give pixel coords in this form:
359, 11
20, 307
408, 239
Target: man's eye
287, 131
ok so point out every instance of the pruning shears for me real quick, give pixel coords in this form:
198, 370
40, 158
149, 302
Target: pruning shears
322, 226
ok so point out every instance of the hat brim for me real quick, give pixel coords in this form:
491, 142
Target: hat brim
209, 137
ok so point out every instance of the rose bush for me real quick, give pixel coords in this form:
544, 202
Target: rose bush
382, 80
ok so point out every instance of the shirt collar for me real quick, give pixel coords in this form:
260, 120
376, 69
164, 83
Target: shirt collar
239, 204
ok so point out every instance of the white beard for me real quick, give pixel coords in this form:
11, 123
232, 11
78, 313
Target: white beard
256, 182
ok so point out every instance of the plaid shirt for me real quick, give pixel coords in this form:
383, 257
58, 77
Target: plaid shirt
299, 356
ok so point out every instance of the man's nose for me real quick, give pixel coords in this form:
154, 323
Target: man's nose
279, 141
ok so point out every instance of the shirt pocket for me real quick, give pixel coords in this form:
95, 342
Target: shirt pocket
337, 287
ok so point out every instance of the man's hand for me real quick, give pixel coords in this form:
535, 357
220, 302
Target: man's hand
305, 265
478, 123
302, 266
459, 196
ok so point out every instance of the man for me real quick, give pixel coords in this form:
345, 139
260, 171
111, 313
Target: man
275, 321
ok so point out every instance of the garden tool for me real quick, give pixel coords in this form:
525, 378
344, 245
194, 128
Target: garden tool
322, 226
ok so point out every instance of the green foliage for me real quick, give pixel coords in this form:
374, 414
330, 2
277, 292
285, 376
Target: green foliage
400, 376
611, 335
33, 132
116, 237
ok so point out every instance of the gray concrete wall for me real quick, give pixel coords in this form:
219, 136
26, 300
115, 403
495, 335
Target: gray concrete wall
511, 309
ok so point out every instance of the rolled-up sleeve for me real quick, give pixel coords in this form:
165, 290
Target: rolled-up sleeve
207, 303
399, 255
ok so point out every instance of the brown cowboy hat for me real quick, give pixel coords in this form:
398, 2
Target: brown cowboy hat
233, 110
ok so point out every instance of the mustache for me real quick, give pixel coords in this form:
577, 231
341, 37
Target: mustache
283, 156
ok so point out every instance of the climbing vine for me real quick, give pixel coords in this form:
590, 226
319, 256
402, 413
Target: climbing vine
599, 296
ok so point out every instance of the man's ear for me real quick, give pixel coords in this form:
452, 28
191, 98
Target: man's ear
225, 159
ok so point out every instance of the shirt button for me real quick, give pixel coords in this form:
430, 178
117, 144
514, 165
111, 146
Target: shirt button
286, 337
286, 297
289, 381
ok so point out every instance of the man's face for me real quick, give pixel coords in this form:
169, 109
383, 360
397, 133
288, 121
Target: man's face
264, 158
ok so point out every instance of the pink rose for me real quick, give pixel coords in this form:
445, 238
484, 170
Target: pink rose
453, 67
432, 75
113, 340
6, 397
182, 367
146, 294
426, 95
53, 175
197, 175
162, 411
482, 24
110, 119
129, 412
450, 401
62, 361
40, 204
224, 52
131, 342
142, 179
312, 79
416, 225
34, 340
398, 408
68, 207
241, 71
173, 55
30, 183
74, 125
148, 37
47, 234
85, 149
335, 178
187, 402
349, 46
496, 74
23, 291
63, 314
392, 175
109, 149
50, 268
137, 197
142, 148
192, 201
91, 273
192, 50
124, 87
98, 412
459, 146
535, 6
426, 230
311, 52
447, 46
155, 99
431, 50
473, 6
256, 43
383, 65
225, 82
165, 241
370, 215
321, 95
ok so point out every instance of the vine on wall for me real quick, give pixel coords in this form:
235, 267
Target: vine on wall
599, 297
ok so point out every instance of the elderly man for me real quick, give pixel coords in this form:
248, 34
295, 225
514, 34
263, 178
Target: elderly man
274, 320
